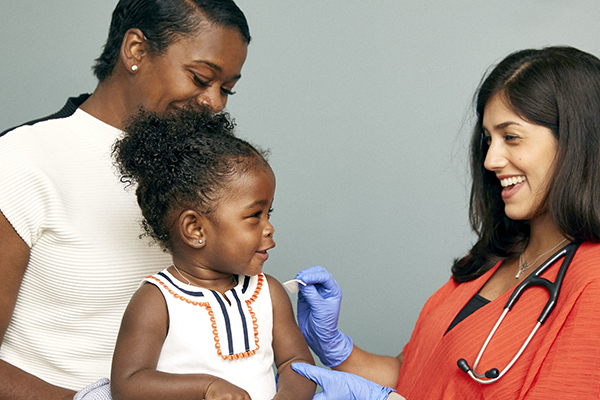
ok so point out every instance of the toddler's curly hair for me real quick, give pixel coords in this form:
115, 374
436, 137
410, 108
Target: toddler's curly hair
181, 160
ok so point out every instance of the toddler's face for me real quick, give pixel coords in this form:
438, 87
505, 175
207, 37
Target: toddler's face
239, 233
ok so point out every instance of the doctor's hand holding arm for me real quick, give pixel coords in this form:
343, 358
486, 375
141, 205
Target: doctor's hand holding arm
318, 312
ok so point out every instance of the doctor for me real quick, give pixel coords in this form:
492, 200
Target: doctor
535, 165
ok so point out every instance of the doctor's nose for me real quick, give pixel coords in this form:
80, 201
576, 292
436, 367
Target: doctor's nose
494, 158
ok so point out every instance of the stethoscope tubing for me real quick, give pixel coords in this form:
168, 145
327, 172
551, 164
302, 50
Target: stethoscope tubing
532, 280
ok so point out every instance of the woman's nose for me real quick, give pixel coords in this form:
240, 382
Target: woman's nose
494, 158
212, 100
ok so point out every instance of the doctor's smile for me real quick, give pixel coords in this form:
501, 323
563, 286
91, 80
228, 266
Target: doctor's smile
511, 185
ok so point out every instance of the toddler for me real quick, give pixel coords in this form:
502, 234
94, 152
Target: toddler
212, 324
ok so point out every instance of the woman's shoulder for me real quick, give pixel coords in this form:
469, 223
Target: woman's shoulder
439, 296
68, 109
37, 137
584, 268
587, 258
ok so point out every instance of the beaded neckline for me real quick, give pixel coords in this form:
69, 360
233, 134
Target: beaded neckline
206, 305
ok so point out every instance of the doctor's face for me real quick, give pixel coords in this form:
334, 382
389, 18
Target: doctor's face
521, 154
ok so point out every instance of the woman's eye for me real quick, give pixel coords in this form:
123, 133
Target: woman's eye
486, 140
227, 92
508, 138
200, 82
270, 212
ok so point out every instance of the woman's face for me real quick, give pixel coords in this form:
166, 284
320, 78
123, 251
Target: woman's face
200, 69
521, 154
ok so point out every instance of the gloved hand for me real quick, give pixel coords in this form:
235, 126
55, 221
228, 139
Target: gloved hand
318, 312
341, 385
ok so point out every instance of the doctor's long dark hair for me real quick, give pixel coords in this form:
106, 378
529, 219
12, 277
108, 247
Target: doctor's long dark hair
558, 88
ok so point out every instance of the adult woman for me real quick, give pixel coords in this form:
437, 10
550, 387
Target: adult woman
535, 161
68, 232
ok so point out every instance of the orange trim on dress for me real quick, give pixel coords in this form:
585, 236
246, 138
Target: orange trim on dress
211, 314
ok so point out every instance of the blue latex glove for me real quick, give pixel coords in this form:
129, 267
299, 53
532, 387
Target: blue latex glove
318, 312
341, 385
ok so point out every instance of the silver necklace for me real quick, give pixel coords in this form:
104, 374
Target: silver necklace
524, 265
187, 280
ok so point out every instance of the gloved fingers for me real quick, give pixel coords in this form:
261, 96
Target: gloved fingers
315, 374
308, 293
321, 279
314, 275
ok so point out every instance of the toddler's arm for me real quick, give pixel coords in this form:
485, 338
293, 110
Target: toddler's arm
134, 375
289, 346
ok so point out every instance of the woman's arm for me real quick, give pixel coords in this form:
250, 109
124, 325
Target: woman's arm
142, 334
289, 346
383, 370
15, 383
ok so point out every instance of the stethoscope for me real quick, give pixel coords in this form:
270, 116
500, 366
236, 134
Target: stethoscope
534, 279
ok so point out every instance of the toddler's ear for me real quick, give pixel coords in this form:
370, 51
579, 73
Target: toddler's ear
190, 226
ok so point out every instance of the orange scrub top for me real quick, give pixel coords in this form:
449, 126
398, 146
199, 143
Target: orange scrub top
562, 360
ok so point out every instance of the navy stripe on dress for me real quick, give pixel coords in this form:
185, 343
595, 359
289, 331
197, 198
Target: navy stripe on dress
245, 285
243, 318
227, 321
195, 294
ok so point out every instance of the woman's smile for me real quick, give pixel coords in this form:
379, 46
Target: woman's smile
511, 185
521, 155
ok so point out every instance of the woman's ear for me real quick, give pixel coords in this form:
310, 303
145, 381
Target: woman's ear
133, 49
191, 226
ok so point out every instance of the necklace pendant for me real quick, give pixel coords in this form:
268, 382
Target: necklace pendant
522, 268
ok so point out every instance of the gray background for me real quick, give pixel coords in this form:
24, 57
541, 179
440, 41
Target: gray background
366, 108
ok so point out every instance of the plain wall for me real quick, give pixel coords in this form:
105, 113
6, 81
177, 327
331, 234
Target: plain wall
365, 106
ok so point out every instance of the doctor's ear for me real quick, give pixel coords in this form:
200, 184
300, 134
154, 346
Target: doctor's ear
191, 228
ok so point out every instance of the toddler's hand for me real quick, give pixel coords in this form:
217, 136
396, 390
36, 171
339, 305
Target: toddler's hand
220, 389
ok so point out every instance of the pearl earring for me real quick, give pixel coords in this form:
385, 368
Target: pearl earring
134, 67
200, 241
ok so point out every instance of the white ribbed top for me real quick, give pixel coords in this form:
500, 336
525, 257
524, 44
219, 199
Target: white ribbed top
61, 193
